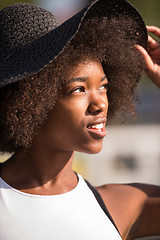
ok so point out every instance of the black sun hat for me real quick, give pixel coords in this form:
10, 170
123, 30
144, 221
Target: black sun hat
30, 37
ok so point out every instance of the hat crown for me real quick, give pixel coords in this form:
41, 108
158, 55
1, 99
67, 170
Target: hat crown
21, 24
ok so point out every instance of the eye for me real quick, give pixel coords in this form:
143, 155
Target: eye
78, 90
104, 87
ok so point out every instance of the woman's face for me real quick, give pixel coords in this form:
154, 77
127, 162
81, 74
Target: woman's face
79, 116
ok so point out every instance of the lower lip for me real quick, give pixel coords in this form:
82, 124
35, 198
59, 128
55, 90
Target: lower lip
98, 133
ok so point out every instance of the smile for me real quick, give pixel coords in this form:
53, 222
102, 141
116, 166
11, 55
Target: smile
97, 130
97, 127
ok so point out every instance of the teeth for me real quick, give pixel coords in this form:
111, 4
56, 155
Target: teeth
97, 126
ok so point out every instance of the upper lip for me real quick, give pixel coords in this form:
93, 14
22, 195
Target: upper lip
97, 121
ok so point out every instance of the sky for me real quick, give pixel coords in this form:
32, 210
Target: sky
63, 8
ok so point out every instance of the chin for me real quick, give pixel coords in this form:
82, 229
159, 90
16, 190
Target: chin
94, 149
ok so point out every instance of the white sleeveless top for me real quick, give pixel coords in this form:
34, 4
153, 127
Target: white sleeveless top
75, 215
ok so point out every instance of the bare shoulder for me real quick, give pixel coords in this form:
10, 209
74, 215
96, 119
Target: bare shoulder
125, 203
132, 206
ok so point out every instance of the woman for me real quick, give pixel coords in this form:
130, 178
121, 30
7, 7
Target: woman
54, 101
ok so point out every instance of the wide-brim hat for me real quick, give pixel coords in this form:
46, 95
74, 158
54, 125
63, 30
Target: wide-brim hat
30, 37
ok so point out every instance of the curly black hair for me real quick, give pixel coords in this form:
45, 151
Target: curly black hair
25, 105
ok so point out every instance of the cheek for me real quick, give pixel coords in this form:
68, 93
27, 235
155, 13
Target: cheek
69, 117
74, 111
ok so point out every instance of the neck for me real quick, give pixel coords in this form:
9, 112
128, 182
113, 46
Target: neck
40, 171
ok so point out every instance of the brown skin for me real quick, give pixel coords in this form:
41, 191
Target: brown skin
135, 208
46, 168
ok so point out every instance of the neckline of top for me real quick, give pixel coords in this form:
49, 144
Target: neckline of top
7, 186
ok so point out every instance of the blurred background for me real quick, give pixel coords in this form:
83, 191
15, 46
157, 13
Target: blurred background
131, 151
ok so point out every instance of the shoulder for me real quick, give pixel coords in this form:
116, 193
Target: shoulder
125, 203
123, 191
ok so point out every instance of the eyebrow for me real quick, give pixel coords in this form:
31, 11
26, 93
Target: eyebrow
82, 79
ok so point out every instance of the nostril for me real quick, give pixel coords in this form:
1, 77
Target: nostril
93, 108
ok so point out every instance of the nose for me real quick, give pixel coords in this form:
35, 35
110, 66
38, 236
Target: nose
97, 104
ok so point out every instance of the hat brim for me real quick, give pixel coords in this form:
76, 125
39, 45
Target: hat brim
30, 59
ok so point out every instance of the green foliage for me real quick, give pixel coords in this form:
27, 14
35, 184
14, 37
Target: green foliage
149, 10
4, 3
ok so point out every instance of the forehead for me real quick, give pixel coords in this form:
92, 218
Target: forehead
85, 69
